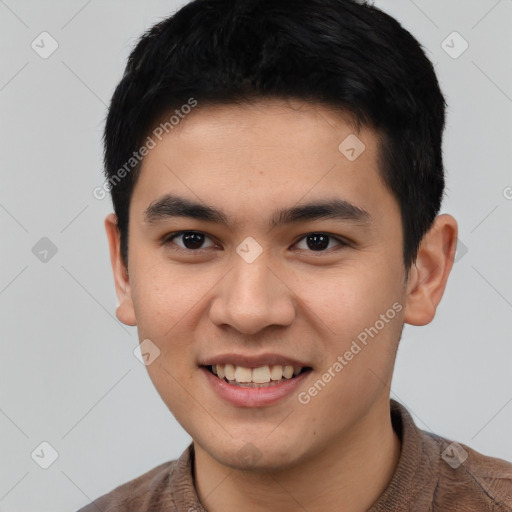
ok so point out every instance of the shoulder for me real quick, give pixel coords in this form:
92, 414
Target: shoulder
437, 474
469, 480
139, 493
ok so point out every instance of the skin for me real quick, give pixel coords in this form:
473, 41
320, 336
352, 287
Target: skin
340, 448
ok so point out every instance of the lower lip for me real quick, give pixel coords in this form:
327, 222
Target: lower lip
253, 397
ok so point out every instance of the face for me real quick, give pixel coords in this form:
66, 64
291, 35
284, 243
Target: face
286, 279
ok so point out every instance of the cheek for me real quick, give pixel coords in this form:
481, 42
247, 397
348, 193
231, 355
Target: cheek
363, 310
350, 298
170, 303
165, 295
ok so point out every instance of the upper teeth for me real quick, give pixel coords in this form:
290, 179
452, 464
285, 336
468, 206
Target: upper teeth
258, 375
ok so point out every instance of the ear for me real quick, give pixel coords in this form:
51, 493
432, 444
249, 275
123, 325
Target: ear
125, 311
429, 274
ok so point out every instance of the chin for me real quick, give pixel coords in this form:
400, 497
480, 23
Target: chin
259, 455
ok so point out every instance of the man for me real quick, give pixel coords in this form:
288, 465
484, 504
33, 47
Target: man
276, 173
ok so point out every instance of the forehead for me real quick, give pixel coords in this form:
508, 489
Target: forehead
246, 158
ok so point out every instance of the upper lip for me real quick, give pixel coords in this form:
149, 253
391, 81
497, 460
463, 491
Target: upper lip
253, 361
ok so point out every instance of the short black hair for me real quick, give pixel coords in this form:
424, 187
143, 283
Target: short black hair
345, 54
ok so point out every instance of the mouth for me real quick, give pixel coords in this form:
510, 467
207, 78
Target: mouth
258, 377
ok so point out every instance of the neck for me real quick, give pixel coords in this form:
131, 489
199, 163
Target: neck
349, 475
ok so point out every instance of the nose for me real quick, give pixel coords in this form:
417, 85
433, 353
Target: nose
253, 296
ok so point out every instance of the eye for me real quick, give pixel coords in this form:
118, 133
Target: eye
190, 240
195, 240
319, 242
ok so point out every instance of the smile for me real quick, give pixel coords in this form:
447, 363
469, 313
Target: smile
262, 376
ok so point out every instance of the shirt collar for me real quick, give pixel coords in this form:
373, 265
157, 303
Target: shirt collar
416, 475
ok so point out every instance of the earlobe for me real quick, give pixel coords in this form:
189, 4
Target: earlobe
429, 275
125, 311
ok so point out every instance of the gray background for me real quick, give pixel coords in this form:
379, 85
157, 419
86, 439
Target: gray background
68, 375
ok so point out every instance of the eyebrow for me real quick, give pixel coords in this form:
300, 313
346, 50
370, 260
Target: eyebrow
170, 206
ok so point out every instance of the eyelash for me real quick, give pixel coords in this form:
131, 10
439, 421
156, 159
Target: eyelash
168, 239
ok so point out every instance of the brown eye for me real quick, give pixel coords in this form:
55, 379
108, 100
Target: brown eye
319, 242
190, 240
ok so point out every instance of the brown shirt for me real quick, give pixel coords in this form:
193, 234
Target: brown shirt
432, 475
